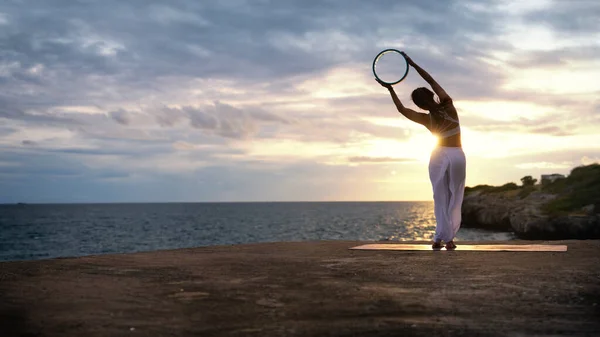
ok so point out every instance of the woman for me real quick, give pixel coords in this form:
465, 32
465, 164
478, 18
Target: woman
447, 164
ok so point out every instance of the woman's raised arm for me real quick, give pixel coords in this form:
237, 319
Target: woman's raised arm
439, 91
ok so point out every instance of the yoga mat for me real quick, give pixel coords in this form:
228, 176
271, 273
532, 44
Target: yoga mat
478, 248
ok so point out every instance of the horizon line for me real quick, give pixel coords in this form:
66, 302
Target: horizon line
204, 202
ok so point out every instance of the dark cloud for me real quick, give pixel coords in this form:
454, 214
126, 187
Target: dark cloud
556, 58
112, 151
99, 51
222, 119
569, 17
28, 143
10, 110
168, 117
267, 116
120, 116
77, 50
87, 59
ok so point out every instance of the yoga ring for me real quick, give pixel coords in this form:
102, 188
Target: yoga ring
405, 64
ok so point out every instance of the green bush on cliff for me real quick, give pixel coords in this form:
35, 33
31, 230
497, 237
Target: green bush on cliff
525, 191
477, 188
492, 189
528, 181
579, 189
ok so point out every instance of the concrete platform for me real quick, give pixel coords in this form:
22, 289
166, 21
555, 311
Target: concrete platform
306, 289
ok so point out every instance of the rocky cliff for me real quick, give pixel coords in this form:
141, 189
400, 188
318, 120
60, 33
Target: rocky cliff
565, 209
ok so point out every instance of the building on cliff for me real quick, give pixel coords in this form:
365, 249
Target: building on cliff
550, 178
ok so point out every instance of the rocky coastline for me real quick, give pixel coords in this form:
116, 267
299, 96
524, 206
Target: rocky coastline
568, 208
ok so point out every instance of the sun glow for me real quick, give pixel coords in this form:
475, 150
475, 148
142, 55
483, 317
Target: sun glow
556, 81
417, 148
338, 82
503, 110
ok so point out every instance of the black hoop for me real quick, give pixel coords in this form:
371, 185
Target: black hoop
377, 59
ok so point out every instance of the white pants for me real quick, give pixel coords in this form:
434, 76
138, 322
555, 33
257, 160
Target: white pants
447, 171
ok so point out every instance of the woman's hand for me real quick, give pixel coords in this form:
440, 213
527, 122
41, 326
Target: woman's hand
439, 91
383, 84
408, 59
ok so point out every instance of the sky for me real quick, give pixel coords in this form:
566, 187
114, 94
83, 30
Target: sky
257, 100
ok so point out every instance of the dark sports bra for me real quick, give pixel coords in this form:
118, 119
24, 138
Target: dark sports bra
442, 124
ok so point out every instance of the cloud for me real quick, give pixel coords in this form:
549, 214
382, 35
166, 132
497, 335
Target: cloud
545, 165
6, 131
28, 143
560, 57
563, 14
547, 127
25, 165
228, 121
552, 130
120, 116
557, 156
156, 97
585, 160
10, 110
379, 160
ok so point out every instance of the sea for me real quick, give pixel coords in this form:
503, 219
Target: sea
45, 231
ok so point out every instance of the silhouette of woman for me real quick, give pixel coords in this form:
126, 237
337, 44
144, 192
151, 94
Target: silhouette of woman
447, 164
